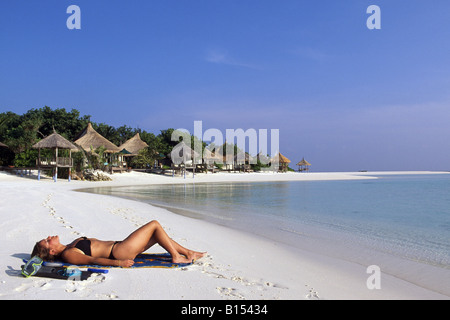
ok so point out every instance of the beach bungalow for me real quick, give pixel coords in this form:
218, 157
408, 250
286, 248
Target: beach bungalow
90, 140
210, 159
281, 162
228, 161
227, 164
263, 158
131, 148
303, 165
184, 157
183, 154
55, 142
242, 162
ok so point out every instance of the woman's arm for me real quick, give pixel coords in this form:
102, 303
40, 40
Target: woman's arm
77, 258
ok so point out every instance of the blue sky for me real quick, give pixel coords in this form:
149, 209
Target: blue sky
344, 97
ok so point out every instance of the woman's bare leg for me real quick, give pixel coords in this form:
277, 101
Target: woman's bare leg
190, 254
145, 237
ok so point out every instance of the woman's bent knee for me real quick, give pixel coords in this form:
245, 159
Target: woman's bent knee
154, 223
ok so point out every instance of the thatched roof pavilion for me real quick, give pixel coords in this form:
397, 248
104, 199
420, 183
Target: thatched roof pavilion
303, 165
91, 138
242, 161
3, 145
263, 158
55, 141
133, 145
281, 161
211, 157
182, 153
242, 158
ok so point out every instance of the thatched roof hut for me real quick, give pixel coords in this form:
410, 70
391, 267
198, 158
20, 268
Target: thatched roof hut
54, 141
91, 138
303, 165
182, 153
281, 162
242, 158
263, 158
133, 145
3, 145
211, 157
281, 159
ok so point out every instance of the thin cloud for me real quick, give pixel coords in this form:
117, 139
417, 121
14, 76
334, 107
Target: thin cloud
312, 54
221, 57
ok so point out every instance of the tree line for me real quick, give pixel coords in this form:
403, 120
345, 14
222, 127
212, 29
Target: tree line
21, 132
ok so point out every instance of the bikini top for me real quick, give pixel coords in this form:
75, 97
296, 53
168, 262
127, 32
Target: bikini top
84, 245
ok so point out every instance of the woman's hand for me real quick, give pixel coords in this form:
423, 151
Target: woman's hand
125, 263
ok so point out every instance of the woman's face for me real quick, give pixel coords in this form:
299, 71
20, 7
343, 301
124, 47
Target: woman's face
51, 242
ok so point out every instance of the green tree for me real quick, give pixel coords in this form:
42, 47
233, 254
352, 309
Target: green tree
125, 133
107, 131
145, 159
165, 141
23, 136
26, 158
68, 124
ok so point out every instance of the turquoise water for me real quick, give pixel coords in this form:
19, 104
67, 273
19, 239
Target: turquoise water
405, 216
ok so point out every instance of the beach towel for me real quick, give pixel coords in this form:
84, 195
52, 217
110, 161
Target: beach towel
143, 260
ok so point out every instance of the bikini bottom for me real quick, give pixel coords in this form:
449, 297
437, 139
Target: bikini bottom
111, 256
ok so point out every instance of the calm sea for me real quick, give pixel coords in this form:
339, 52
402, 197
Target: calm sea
403, 216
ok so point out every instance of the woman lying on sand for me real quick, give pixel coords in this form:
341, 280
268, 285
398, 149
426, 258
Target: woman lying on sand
84, 250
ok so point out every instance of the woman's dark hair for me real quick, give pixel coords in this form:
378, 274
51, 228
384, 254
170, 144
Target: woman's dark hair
42, 253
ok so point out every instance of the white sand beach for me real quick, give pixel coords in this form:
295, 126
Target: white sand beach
238, 265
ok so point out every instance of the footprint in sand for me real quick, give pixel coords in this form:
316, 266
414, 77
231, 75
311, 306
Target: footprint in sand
127, 214
209, 268
40, 284
59, 219
230, 293
312, 294
111, 296
84, 289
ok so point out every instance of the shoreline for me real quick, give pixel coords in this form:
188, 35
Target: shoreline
260, 269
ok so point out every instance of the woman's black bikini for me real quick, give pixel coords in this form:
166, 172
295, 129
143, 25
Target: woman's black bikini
111, 256
85, 246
